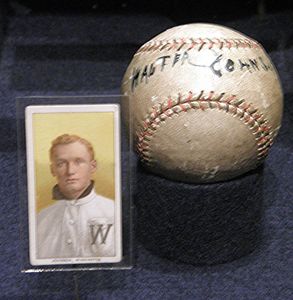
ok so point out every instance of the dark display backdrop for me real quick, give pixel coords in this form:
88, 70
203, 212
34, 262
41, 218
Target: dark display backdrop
176, 9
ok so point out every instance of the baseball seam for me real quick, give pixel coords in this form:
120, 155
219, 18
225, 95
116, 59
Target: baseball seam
231, 104
197, 43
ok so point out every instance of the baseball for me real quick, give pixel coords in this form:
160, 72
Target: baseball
205, 101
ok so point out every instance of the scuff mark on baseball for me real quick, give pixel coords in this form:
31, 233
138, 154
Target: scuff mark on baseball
206, 103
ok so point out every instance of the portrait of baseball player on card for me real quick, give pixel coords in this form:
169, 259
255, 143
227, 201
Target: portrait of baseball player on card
74, 184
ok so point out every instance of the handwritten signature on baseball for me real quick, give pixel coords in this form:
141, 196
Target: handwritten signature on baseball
218, 66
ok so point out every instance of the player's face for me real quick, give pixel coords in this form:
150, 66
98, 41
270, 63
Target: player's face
73, 167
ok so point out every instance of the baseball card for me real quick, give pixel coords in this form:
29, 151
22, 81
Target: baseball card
74, 184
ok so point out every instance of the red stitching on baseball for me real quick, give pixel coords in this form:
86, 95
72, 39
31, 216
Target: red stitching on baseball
236, 107
210, 96
170, 104
183, 107
189, 97
191, 43
229, 99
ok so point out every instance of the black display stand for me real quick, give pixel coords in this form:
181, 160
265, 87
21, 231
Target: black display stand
200, 224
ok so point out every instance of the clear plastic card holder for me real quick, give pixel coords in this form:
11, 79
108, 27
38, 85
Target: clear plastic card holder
75, 183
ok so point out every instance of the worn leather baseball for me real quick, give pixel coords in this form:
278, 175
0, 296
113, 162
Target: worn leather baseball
205, 101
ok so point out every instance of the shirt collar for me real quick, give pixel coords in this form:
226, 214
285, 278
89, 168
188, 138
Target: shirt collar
81, 201
58, 195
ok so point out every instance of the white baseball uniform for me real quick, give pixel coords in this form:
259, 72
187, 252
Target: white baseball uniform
77, 228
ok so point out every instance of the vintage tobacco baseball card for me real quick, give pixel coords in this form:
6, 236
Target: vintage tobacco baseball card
74, 186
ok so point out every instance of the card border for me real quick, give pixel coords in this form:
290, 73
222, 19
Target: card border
70, 108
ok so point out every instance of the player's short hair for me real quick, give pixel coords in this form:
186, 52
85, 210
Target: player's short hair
66, 139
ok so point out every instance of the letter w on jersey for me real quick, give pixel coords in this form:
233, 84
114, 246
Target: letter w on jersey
100, 232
